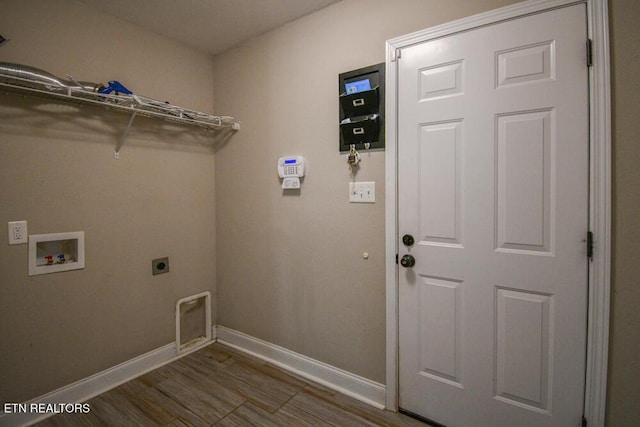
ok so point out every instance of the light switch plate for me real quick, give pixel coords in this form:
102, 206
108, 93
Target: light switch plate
362, 192
18, 232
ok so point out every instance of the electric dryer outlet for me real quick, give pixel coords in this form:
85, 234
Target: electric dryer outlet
160, 266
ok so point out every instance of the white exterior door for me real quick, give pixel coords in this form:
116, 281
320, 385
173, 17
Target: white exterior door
493, 185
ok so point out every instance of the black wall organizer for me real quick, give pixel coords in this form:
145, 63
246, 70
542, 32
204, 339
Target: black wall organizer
362, 108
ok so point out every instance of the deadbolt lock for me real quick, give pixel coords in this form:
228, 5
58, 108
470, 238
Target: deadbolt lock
408, 240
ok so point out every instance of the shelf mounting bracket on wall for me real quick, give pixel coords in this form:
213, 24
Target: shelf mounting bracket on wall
116, 153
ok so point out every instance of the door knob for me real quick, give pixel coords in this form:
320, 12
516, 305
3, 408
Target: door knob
408, 240
408, 261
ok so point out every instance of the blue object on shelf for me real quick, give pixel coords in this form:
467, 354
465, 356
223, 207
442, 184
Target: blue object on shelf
117, 87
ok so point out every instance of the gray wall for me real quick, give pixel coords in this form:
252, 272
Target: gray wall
623, 407
290, 268
58, 172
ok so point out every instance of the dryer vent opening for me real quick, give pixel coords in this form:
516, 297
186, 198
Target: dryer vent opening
193, 321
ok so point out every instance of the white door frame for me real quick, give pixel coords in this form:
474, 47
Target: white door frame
599, 191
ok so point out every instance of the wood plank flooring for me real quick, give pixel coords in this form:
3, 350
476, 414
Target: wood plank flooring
219, 386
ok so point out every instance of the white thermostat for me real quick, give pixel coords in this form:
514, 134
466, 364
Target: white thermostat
291, 169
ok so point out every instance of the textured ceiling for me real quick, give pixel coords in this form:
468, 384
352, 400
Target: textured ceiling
209, 25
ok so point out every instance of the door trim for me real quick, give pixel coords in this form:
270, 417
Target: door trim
599, 191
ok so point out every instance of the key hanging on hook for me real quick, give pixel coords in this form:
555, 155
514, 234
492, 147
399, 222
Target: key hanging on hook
353, 158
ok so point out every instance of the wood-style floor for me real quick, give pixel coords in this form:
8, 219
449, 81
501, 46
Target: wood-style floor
219, 386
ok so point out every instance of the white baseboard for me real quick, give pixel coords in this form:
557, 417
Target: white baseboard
85, 389
329, 376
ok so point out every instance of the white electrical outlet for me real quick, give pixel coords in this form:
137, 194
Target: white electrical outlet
362, 192
18, 232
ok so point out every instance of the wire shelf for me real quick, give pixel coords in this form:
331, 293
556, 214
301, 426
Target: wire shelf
131, 104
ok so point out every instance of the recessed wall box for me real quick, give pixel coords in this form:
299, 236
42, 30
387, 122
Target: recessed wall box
53, 253
361, 94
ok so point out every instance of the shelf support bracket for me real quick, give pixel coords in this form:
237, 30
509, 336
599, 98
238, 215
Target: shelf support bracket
116, 153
